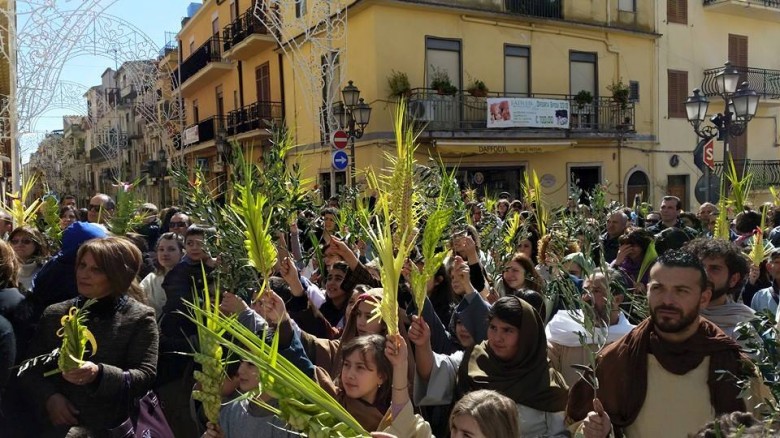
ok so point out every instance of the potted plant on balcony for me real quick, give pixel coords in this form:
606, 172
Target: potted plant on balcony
620, 93
440, 81
478, 88
584, 97
398, 82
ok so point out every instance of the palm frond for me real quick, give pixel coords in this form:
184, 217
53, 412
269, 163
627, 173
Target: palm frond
647, 261
304, 404
740, 186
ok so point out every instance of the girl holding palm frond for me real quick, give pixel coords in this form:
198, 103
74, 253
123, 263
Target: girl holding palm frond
371, 378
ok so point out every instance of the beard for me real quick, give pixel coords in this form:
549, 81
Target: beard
720, 291
668, 324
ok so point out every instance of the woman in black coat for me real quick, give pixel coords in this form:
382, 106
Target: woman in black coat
91, 397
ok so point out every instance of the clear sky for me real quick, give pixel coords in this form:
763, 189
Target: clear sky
152, 17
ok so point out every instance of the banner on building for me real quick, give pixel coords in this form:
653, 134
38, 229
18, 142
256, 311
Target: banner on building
505, 112
190, 136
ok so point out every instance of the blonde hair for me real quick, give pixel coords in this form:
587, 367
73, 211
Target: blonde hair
9, 266
496, 414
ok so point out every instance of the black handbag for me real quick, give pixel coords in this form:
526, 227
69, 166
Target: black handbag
146, 419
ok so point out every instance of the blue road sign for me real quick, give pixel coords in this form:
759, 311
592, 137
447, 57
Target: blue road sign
339, 160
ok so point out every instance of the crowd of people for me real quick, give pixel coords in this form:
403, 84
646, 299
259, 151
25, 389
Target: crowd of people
627, 324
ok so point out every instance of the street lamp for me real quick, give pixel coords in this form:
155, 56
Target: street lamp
352, 115
162, 171
740, 106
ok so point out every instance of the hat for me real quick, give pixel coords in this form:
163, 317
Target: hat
78, 233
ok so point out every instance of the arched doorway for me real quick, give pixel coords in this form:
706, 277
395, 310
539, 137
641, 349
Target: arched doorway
638, 183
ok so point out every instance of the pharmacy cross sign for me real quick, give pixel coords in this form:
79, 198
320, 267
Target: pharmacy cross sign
340, 160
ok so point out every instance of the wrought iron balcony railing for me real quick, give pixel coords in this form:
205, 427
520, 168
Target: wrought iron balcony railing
766, 82
462, 111
536, 8
767, 3
253, 116
765, 172
210, 51
243, 26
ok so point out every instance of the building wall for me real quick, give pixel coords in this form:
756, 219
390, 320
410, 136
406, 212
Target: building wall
703, 44
388, 36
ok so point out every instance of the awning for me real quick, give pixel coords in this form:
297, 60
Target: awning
489, 147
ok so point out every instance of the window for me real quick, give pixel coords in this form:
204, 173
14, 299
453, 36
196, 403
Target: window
195, 114
627, 5
220, 100
263, 83
235, 99
444, 56
215, 26
677, 11
517, 70
677, 93
192, 47
583, 73
585, 177
738, 54
232, 10
677, 185
300, 8
332, 183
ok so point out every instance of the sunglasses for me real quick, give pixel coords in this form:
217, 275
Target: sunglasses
93, 207
23, 241
653, 221
178, 224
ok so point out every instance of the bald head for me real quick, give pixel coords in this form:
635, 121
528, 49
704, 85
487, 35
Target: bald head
616, 224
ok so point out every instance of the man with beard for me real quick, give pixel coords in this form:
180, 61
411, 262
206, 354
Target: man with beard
664, 377
726, 269
605, 293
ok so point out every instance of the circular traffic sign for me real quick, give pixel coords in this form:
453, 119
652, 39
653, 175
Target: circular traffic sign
339, 139
339, 160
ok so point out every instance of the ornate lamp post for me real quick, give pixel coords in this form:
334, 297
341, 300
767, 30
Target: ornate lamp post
162, 172
352, 115
740, 106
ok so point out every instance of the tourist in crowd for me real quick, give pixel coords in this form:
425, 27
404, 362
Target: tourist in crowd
32, 250
101, 207
88, 399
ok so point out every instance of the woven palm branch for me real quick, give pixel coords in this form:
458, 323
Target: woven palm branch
740, 186
303, 404
209, 354
21, 213
397, 212
433, 254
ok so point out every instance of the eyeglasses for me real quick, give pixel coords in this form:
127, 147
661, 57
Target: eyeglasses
22, 241
93, 207
651, 221
178, 224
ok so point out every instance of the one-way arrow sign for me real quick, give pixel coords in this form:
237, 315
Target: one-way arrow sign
339, 160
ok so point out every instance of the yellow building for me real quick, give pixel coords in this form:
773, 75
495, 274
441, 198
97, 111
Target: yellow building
228, 82
552, 62
699, 36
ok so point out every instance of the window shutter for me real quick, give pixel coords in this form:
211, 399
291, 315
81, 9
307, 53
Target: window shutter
677, 11
677, 93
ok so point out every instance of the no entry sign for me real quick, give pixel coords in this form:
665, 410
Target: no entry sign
339, 139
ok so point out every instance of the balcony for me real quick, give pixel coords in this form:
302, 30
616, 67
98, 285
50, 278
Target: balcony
246, 37
768, 10
203, 131
128, 92
536, 8
202, 67
765, 82
463, 112
765, 173
253, 116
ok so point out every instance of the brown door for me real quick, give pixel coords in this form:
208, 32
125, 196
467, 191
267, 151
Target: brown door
263, 84
677, 185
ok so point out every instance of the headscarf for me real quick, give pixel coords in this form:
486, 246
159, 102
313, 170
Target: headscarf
622, 371
527, 378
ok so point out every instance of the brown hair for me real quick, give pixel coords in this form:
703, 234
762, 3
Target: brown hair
41, 246
119, 257
9, 266
373, 347
547, 240
496, 414
532, 279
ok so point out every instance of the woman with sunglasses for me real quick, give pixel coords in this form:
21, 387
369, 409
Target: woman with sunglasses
31, 249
